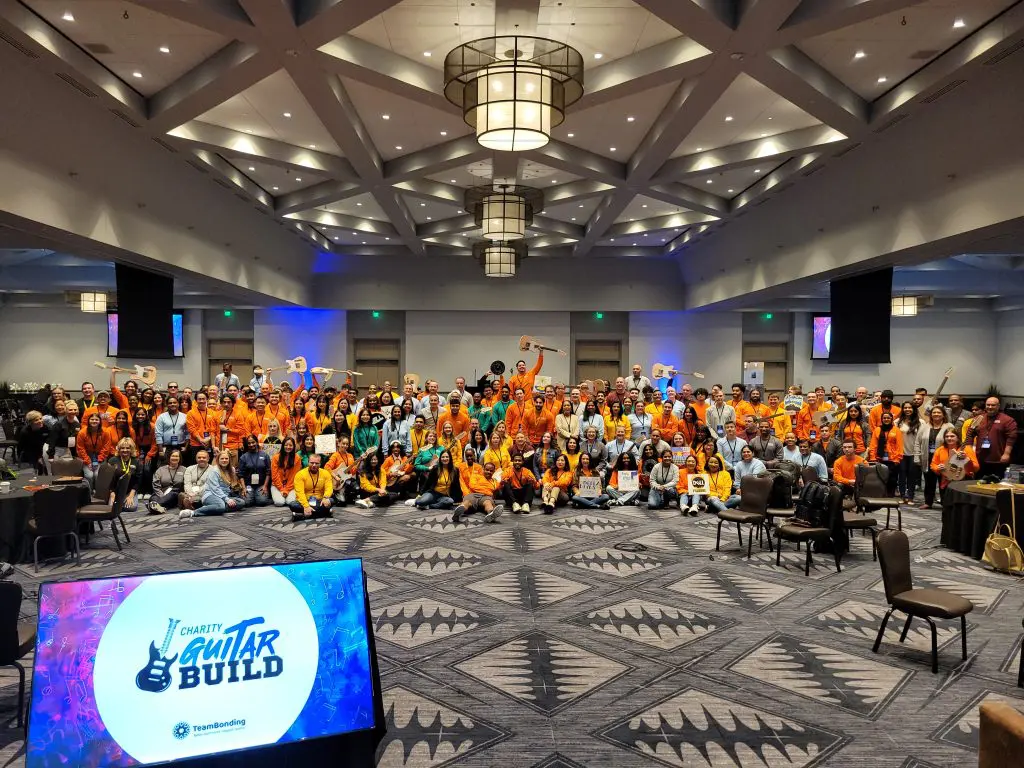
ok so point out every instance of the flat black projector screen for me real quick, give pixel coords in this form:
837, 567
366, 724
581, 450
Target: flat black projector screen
145, 305
861, 312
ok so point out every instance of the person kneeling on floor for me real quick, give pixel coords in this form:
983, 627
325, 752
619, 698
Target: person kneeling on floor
313, 491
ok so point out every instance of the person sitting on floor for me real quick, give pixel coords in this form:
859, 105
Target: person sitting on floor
664, 478
313, 491
168, 484
222, 492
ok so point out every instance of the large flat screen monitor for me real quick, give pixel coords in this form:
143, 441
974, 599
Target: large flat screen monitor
152, 669
822, 337
177, 323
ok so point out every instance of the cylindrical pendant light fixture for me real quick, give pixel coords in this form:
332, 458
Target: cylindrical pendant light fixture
513, 90
503, 211
498, 258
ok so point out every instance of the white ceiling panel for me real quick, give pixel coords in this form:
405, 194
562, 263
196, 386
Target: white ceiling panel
602, 128
273, 178
364, 206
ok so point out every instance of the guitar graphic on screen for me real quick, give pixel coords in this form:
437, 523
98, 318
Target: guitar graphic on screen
156, 675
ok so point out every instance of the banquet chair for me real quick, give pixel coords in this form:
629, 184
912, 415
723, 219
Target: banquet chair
871, 495
802, 534
101, 486
94, 513
54, 516
17, 638
753, 510
927, 604
9, 442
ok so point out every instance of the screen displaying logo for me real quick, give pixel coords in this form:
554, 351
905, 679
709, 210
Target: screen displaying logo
822, 341
174, 666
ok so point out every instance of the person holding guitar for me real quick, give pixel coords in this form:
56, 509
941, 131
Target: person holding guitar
953, 461
442, 489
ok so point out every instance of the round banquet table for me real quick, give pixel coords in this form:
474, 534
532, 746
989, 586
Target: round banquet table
969, 517
16, 511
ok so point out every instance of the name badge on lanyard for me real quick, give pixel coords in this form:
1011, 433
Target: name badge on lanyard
814, 434
986, 443
721, 430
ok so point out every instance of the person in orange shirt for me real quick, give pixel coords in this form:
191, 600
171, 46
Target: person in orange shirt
887, 448
741, 406
779, 417
457, 416
203, 427
844, 471
951, 446
120, 429
515, 412
756, 407
232, 428
93, 445
120, 398
555, 486
804, 420
700, 403
665, 422
524, 379
103, 407
478, 490
520, 484
875, 416
283, 469
319, 418
537, 421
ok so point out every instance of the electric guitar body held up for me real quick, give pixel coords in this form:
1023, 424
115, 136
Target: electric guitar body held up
156, 675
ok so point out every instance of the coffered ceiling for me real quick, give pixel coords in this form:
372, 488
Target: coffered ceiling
330, 113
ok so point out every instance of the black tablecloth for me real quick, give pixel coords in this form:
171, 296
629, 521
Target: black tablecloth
16, 511
968, 518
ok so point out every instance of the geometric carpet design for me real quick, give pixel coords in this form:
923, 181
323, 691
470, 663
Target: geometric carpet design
620, 639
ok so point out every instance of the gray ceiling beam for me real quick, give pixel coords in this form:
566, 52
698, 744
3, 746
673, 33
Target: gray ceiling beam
748, 153
709, 22
573, 191
226, 73
604, 218
578, 162
1000, 34
319, 194
450, 226
66, 58
537, 244
658, 224
796, 77
688, 197
344, 221
819, 17
223, 17
774, 179
332, 104
551, 226
665, 63
320, 21
230, 174
440, 157
379, 68
271, 151
428, 189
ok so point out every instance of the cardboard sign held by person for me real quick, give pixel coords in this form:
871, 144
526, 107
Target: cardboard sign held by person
590, 487
698, 483
629, 481
325, 444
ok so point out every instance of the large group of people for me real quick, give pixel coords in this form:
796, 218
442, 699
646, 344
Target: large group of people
507, 445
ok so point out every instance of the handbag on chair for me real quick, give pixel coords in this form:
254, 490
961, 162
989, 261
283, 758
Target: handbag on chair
1002, 551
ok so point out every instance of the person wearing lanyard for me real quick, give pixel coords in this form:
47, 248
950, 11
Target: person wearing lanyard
766, 446
313, 491
171, 428
816, 461
195, 481
719, 414
778, 416
254, 472
731, 446
640, 425
125, 463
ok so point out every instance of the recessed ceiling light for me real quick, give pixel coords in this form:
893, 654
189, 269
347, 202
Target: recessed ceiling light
364, 242
298, 179
573, 218
275, 189
612, 240
598, 55
136, 74
958, 24
581, 206
398, 147
248, 130
859, 55
763, 135
427, 54
611, 149
570, 135
164, 49
287, 114
757, 170
359, 205
554, 181
709, 181
68, 16
387, 238
251, 168
385, 117
700, 149
728, 118
423, 205
444, 133
630, 119
883, 79
312, 146
335, 237
642, 206
634, 243
430, 218
645, 234
730, 190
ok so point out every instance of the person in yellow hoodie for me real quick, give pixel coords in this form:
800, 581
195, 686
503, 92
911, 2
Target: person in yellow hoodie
313, 491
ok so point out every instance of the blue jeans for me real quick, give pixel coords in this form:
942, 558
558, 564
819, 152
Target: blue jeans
220, 506
621, 498
595, 503
434, 500
658, 499
689, 499
717, 505
255, 497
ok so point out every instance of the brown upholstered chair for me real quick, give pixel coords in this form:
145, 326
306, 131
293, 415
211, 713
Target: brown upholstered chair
871, 494
752, 511
853, 522
1000, 736
809, 535
927, 604
95, 513
17, 638
67, 467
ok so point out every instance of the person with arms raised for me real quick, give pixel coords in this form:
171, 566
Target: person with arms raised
524, 379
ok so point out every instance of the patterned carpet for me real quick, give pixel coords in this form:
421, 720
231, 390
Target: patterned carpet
535, 642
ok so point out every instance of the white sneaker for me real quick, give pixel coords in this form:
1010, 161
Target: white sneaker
410, 502
364, 503
185, 514
494, 514
520, 507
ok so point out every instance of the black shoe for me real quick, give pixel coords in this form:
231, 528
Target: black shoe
458, 513
549, 509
